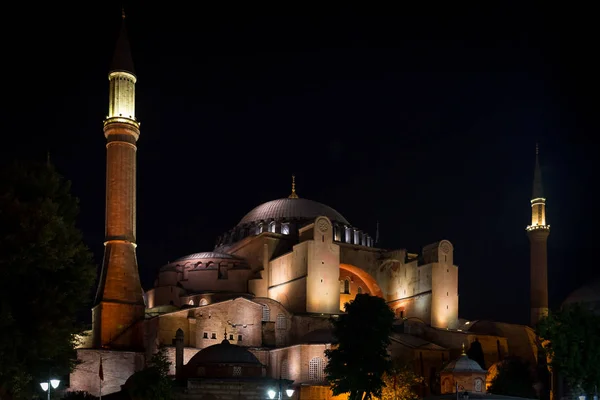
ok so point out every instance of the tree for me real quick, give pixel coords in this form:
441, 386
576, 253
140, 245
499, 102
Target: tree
359, 361
153, 382
401, 383
78, 395
514, 378
475, 353
571, 339
46, 274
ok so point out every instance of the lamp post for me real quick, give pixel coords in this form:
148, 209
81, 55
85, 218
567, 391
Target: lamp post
47, 385
272, 393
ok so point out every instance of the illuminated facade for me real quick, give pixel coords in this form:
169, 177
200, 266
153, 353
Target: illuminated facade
270, 284
538, 233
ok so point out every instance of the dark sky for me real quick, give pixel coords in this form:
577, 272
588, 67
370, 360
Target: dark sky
425, 120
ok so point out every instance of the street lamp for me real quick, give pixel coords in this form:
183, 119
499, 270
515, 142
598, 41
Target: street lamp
272, 393
46, 386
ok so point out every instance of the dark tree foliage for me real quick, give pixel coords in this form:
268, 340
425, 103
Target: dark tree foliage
475, 353
514, 378
46, 274
153, 382
360, 360
571, 339
78, 395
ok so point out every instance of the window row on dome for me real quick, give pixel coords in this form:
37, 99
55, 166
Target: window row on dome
342, 233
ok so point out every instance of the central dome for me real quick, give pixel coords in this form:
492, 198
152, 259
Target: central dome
291, 208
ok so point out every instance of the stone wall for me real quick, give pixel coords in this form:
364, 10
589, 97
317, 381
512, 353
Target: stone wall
117, 366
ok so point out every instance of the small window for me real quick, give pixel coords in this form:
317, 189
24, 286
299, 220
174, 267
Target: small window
230, 337
239, 338
191, 302
205, 335
266, 313
359, 290
213, 336
285, 228
281, 323
237, 370
347, 286
316, 370
203, 302
285, 370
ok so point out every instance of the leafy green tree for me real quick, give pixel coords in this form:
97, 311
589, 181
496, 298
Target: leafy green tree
401, 383
359, 361
46, 274
572, 342
514, 378
153, 382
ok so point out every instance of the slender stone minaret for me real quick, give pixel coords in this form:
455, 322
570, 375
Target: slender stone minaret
538, 233
119, 302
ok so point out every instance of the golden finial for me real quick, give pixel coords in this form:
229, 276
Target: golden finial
464, 353
293, 195
122, 12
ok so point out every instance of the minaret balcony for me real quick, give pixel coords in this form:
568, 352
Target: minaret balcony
537, 227
122, 120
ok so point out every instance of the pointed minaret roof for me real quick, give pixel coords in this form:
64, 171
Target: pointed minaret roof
293, 195
538, 189
122, 60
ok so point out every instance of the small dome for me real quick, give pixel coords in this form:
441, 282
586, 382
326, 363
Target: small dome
207, 255
292, 208
463, 364
224, 353
587, 295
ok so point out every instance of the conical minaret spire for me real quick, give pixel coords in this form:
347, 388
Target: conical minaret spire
122, 60
538, 188
538, 233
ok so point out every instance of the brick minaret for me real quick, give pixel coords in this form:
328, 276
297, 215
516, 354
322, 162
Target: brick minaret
538, 233
119, 301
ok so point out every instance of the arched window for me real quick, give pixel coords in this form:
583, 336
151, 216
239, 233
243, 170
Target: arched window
347, 286
478, 384
316, 370
272, 227
266, 317
285, 228
281, 323
191, 302
203, 302
446, 386
359, 290
285, 370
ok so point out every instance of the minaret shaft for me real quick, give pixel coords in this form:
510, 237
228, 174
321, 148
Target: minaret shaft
538, 233
119, 304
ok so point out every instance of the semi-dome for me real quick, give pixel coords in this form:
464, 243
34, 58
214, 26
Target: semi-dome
291, 208
224, 353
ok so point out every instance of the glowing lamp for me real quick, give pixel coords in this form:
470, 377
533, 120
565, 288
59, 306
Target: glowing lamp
54, 383
44, 386
271, 393
289, 392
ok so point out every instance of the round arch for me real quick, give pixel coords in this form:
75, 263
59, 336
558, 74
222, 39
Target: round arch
368, 280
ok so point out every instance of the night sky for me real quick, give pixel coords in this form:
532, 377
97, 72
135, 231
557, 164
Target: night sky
425, 121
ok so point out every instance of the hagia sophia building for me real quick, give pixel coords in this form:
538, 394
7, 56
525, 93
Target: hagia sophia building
254, 311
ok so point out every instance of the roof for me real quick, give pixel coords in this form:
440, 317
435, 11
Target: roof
224, 353
291, 208
414, 342
122, 60
208, 255
319, 336
464, 364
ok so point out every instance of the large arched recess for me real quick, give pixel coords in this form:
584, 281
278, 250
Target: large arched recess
364, 276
